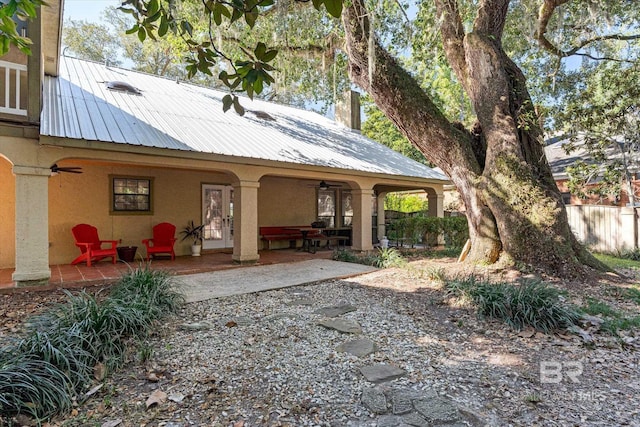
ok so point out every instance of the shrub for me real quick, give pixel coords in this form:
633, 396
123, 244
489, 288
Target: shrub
532, 303
383, 258
46, 371
33, 387
345, 256
419, 228
389, 257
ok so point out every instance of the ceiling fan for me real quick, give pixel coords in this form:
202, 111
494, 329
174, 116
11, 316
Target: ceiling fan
71, 169
325, 186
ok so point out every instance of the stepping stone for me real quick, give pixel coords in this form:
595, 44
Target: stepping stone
197, 326
341, 325
278, 316
416, 420
381, 372
437, 409
391, 421
300, 301
335, 310
401, 403
360, 347
374, 400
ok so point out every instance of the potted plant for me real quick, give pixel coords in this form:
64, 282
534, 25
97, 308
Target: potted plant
194, 232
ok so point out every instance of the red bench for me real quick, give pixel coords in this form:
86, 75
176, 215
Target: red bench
280, 233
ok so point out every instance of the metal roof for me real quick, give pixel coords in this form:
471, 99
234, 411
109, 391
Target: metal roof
78, 105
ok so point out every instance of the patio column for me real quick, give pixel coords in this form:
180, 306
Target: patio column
361, 230
382, 229
436, 204
32, 226
436, 209
245, 227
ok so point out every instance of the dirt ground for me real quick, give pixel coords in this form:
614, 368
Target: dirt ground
506, 377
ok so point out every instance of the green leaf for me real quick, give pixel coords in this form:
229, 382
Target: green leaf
164, 26
260, 51
251, 18
237, 14
142, 34
227, 101
270, 55
133, 29
252, 76
4, 48
334, 7
258, 86
237, 106
153, 7
317, 3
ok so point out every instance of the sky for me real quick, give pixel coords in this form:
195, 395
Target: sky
90, 10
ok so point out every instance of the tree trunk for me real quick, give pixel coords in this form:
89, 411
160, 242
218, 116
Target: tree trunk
514, 208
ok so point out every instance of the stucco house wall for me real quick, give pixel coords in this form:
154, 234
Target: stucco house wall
7, 215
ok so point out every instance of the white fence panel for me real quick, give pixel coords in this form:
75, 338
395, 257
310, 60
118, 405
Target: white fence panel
604, 228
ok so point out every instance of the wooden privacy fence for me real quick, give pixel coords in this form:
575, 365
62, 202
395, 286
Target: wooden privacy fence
605, 228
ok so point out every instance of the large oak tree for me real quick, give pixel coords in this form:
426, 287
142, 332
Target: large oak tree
497, 163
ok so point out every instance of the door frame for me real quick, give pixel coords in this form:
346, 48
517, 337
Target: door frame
226, 240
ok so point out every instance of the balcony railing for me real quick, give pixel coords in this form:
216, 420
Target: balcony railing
13, 88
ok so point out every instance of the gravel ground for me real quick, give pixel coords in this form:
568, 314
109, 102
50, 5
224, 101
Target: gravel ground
262, 359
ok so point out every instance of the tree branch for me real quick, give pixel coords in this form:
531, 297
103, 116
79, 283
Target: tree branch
544, 16
452, 32
402, 99
491, 17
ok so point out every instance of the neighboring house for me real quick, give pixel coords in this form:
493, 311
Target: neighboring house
559, 160
154, 150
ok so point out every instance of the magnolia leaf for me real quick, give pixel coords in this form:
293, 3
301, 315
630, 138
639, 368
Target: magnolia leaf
251, 18
142, 34
227, 101
152, 7
157, 397
164, 26
236, 106
260, 50
269, 55
334, 7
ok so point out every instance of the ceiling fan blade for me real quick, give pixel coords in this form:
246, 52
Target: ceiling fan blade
71, 169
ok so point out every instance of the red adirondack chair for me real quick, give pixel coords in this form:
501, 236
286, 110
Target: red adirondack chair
86, 237
162, 241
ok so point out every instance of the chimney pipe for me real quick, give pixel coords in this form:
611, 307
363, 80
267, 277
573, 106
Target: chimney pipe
348, 110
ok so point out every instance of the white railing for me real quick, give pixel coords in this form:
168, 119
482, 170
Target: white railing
13, 78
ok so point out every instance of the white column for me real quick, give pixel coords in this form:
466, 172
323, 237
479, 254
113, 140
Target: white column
436, 204
361, 229
382, 229
32, 226
436, 209
245, 218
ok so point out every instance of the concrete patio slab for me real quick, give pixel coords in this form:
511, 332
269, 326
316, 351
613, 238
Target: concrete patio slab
217, 284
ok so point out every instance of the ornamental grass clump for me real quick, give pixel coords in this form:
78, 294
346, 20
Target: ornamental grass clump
530, 304
389, 257
382, 258
53, 365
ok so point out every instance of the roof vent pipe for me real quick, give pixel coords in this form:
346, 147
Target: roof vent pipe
348, 110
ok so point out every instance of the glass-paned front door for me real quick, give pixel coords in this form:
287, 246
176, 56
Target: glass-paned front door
217, 216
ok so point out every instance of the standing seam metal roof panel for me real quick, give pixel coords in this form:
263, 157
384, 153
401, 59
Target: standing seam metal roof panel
185, 117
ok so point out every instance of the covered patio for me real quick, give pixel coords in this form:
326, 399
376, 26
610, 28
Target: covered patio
78, 276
